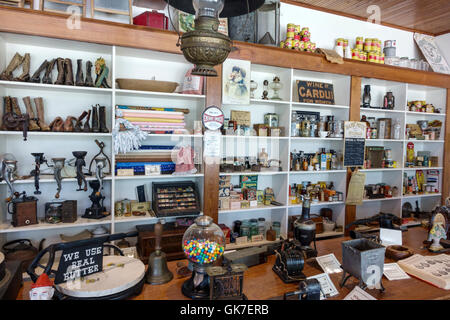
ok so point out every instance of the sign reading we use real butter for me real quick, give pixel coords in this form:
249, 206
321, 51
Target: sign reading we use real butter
315, 92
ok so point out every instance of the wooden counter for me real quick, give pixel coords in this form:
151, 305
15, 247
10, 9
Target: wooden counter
261, 283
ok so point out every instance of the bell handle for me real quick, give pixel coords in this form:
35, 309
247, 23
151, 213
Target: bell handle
158, 233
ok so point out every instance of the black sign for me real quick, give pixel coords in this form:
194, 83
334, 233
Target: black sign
354, 152
79, 262
315, 92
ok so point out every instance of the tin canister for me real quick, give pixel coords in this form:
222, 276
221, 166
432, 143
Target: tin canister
340, 42
291, 27
271, 119
306, 39
355, 54
296, 44
301, 46
298, 29
290, 34
359, 43
297, 37
313, 46
281, 44
305, 32
345, 43
308, 46
289, 43
368, 45
372, 57
390, 43
374, 133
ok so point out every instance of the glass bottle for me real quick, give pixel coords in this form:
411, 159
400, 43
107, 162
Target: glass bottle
305, 127
396, 131
313, 126
253, 228
277, 227
263, 158
294, 127
262, 227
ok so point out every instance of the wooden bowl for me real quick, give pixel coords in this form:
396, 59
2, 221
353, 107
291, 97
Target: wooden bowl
147, 85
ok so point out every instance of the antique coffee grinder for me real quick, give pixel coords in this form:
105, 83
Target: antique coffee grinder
96, 210
79, 164
227, 282
100, 155
157, 272
308, 289
58, 165
203, 243
38, 161
305, 230
8, 167
100, 164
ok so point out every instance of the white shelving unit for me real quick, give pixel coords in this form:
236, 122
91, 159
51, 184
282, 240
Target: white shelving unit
403, 92
61, 100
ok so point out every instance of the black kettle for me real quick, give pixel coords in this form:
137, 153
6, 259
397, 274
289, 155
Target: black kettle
21, 250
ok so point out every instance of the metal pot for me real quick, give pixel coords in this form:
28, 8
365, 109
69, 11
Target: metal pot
21, 250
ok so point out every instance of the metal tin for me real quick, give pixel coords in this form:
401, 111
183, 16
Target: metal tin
271, 119
289, 43
291, 27
290, 34
298, 29
390, 43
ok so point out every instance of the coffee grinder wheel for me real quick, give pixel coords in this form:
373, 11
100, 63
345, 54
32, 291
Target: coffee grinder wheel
121, 278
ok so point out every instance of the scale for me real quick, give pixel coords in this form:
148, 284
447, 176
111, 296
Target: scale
120, 277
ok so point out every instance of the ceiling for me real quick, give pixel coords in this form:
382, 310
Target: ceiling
426, 16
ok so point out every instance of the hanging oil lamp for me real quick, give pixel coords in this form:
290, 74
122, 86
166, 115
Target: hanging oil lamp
205, 46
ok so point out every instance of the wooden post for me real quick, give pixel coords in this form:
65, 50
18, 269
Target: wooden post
354, 114
211, 167
446, 172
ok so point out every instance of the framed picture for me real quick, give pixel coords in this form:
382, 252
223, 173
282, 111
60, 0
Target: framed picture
236, 82
432, 53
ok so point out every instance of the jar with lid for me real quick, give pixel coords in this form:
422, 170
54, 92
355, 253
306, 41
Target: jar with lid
203, 243
253, 228
397, 130
53, 212
245, 229
313, 126
262, 227
294, 125
277, 227
305, 127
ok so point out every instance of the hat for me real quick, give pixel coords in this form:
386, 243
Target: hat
42, 281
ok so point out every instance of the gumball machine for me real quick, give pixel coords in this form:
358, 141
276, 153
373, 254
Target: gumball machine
203, 243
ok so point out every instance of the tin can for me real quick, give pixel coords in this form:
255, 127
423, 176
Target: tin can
382, 58
289, 43
345, 43
368, 45
340, 42
313, 46
305, 32
297, 37
291, 27
307, 46
355, 54
368, 133
271, 119
306, 39
298, 29
301, 46
290, 34
281, 44
359, 43
296, 44
374, 133
372, 57
390, 43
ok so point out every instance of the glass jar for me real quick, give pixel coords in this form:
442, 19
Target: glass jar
245, 229
277, 227
53, 212
253, 228
262, 227
313, 126
237, 226
305, 127
203, 242
294, 125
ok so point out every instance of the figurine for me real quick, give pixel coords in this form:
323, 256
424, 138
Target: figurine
42, 289
102, 72
437, 233
184, 162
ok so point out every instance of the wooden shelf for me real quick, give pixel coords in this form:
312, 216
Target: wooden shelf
47, 178
318, 105
122, 92
253, 173
56, 134
50, 87
259, 208
159, 176
318, 172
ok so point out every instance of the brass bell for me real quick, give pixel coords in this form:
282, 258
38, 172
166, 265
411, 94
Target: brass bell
157, 272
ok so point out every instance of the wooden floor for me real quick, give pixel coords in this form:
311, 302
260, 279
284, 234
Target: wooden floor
261, 283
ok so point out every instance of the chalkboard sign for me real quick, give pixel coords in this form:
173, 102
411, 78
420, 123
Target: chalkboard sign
354, 152
79, 262
315, 92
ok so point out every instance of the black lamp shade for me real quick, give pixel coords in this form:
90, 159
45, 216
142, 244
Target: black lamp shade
232, 8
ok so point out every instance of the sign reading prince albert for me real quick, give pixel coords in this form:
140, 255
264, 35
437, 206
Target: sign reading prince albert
80, 261
315, 92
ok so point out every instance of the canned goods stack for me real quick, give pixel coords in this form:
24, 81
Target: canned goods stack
298, 38
365, 50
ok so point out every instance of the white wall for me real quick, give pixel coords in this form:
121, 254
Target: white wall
325, 28
443, 42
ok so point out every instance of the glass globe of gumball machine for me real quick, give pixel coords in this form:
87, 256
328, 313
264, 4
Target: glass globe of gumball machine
203, 243
276, 86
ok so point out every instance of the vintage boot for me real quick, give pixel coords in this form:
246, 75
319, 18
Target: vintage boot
32, 125
95, 124
89, 81
25, 76
16, 109
69, 72
61, 71
39, 102
36, 77
48, 72
78, 123
13, 64
86, 127
79, 80
57, 125
68, 124
102, 117
7, 108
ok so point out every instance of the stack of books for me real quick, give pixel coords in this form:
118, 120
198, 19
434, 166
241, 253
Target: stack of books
147, 155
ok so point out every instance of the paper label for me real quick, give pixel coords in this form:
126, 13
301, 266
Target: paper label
392, 271
327, 286
329, 263
359, 294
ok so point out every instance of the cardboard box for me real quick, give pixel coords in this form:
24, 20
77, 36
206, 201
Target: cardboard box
224, 203
226, 232
249, 182
262, 130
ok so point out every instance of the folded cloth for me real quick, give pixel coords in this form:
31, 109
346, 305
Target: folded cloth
331, 55
143, 115
131, 119
159, 124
